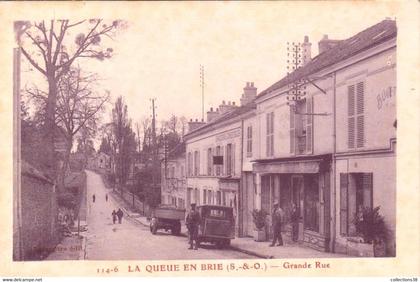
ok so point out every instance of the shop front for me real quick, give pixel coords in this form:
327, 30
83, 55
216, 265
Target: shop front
305, 184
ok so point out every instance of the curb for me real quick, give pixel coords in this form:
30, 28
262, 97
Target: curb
252, 253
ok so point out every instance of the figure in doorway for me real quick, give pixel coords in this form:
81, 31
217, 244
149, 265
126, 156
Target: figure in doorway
106, 197
277, 218
294, 218
93, 198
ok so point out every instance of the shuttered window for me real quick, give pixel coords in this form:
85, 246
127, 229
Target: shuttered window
309, 124
218, 167
292, 131
249, 141
356, 120
344, 218
209, 162
270, 134
360, 105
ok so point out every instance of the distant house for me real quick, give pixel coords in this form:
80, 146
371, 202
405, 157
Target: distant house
99, 161
174, 181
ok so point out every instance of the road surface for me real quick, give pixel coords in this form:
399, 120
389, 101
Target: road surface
131, 240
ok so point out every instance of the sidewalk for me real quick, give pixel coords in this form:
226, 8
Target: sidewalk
246, 245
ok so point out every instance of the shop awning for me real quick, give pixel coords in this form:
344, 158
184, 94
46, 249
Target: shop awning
292, 165
229, 184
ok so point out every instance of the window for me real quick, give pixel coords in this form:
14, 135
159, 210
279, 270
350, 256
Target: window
196, 163
182, 171
219, 166
292, 131
270, 134
356, 121
249, 141
229, 159
204, 196
219, 198
356, 193
190, 164
209, 161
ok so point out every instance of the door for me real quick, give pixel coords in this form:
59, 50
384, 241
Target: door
297, 199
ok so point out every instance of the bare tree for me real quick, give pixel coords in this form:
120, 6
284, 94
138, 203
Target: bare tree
50, 49
76, 111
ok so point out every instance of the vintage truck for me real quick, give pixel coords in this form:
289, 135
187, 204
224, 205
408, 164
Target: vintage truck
168, 218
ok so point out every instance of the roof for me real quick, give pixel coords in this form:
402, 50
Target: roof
345, 49
227, 116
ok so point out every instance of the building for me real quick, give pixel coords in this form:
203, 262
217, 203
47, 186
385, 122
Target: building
214, 153
174, 179
331, 149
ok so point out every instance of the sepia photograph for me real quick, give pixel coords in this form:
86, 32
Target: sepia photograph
259, 132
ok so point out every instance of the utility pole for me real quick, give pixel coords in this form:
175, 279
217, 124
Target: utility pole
202, 91
155, 149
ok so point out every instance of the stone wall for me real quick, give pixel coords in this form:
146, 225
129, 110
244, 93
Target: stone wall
39, 232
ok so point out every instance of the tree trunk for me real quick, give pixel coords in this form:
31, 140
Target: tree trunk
49, 160
66, 161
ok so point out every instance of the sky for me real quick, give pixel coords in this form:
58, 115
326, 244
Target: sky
159, 53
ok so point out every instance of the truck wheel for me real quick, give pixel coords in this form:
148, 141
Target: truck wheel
176, 230
226, 243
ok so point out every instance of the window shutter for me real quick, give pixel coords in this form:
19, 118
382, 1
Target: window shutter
233, 159
344, 203
292, 131
360, 114
309, 123
368, 190
351, 117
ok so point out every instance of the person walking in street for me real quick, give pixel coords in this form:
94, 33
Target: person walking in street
294, 218
106, 197
193, 221
277, 218
120, 215
114, 216
93, 198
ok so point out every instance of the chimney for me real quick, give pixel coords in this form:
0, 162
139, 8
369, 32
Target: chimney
211, 115
193, 125
306, 50
325, 44
250, 92
226, 107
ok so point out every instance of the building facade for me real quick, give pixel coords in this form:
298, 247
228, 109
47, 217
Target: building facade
174, 179
331, 151
214, 154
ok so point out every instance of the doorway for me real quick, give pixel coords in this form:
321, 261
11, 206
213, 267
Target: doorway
297, 199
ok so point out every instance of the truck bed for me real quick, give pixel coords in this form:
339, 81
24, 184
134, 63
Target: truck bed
169, 213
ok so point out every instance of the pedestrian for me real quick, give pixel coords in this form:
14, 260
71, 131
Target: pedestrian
120, 215
193, 221
294, 218
106, 197
277, 218
114, 216
93, 198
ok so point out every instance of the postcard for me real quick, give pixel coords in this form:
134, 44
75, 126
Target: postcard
210, 139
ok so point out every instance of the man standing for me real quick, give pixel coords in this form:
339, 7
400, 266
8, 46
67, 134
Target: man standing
277, 218
193, 221
120, 215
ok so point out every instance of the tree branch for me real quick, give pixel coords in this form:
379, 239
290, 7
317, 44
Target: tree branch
33, 63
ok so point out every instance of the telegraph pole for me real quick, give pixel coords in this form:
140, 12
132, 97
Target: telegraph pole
202, 91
